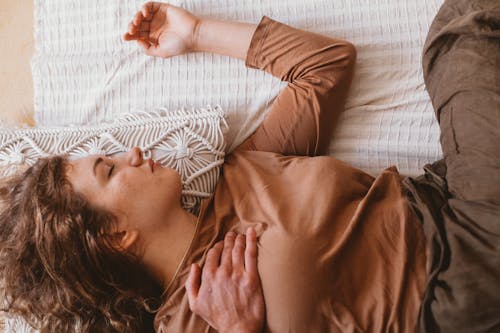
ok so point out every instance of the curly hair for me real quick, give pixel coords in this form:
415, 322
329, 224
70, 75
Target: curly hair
58, 270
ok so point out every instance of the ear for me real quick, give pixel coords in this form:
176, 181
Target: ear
123, 240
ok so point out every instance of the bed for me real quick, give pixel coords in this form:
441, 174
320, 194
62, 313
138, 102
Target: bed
84, 74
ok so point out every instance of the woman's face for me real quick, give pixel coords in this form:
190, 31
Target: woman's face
139, 194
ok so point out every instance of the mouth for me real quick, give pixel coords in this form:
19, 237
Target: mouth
151, 165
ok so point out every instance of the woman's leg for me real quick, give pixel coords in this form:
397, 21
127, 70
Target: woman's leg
461, 67
461, 63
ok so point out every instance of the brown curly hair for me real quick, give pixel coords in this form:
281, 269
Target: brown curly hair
58, 270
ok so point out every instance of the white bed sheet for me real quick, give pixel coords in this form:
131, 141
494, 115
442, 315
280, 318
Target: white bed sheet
83, 72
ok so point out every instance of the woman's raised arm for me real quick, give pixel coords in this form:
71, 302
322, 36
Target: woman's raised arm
164, 30
319, 71
318, 68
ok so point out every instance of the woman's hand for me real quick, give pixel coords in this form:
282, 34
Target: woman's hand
228, 295
163, 30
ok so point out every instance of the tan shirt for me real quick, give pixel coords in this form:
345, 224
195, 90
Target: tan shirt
339, 251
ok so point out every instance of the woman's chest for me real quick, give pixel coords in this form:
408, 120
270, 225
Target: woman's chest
299, 195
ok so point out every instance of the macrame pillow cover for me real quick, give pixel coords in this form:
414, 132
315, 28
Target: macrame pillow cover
189, 141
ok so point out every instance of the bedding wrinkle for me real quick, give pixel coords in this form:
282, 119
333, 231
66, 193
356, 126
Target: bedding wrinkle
339, 250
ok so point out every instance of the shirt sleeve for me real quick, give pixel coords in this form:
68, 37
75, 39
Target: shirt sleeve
319, 71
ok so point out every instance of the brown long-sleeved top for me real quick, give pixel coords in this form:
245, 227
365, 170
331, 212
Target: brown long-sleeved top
339, 251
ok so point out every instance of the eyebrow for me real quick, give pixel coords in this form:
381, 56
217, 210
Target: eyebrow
96, 163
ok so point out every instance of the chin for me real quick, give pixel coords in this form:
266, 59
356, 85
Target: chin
174, 182
176, 176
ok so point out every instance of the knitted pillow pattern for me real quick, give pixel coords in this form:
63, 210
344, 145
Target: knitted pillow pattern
190, 141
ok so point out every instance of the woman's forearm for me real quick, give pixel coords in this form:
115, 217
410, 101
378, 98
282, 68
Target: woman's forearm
223, 37
319, 68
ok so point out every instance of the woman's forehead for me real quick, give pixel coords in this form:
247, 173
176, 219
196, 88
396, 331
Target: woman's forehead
83, 166
84, 160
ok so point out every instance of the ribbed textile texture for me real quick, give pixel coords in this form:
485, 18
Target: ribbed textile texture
84, 73
189, 141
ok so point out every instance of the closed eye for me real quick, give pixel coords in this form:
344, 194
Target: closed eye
111, 170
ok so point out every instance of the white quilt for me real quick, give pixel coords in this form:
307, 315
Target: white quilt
84, 73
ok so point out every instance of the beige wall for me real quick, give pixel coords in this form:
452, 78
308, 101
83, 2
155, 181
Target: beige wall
16, 50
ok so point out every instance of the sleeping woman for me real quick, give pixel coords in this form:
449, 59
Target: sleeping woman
94, 242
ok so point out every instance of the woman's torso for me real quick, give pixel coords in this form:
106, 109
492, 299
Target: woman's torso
339, 251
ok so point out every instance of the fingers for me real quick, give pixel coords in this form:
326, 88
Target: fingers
128, 37
132, 29
138, 19
251, 252
193, 285
144, 26
235, 252
139, 27
145, 12
239, 253
213, 257
149, 8
144, 45
144, 35
131, 33
224, 300
226, 260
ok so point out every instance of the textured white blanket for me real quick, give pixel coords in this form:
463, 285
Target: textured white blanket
83, 72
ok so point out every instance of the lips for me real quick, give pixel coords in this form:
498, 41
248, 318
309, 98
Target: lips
153, 165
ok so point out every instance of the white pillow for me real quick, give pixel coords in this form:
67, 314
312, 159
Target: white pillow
189, 141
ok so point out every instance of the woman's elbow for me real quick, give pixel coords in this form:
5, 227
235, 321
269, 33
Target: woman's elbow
341, 60
347, 66
351, 54
340, 68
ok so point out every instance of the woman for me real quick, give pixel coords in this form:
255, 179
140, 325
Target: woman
339, 251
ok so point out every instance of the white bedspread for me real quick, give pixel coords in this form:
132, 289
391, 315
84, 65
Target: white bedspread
84, 73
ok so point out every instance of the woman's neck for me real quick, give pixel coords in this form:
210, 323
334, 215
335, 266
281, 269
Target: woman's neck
165, 248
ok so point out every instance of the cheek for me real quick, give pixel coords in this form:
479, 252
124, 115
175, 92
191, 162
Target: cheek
122, 189
171, 186
120, 184
126, 198
176, 181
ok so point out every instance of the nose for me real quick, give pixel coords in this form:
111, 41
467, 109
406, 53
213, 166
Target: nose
135, 157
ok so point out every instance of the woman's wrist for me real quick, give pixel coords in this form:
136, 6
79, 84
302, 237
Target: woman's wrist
195, 38
212, 36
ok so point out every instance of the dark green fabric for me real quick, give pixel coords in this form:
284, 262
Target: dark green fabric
458, 198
